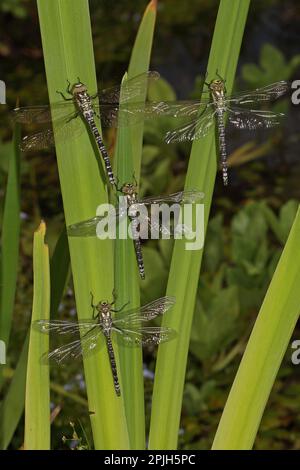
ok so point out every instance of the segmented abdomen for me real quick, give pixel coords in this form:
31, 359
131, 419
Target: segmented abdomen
113, 365
222, 145
101, 147
137, 247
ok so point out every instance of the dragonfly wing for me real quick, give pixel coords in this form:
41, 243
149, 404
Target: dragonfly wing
64, 129
38, 141
112, 115
144, 336
91, 342
128, 114
134, 316
131, 89
180, 197
63, 327
153, 223
253, 119
42, 114
87, 228
194, 130
267, 93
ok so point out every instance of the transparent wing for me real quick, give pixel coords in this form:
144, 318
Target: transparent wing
254, 118
133, 317
63, 327
195, 129
153, 224
88, 344
65, 129
267, 93
128, 114
43, 114
111, 113
182, 197
133, 88
88, 228
143, 336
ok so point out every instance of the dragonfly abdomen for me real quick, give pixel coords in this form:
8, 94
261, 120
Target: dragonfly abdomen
137, 247
222, 145
139, 257
113, 365
101, 146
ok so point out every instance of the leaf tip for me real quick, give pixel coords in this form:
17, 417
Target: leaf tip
153, 5
41, 228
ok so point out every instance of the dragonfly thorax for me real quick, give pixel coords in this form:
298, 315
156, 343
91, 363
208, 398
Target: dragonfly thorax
104, 308
78, 88
129, 189
82, 98
217, 89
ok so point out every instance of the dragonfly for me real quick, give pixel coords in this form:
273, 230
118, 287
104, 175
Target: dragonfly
129, 326
213, 107
133, 206
64, 114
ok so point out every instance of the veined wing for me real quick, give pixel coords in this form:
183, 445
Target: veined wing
65, 129
131, 89
133, 317
70, 127
267, 93
253, 119
44, 113
195, 129
145, 335
128, 114
154, 224
64, 327
91, 342
181, 197
112, 114
88, 228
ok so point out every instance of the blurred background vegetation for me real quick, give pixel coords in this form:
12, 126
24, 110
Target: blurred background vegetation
249, 221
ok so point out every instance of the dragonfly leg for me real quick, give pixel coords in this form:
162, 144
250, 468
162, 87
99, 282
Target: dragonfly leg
220, 77
205, 82
63, 96
117, 181
122, 308
69, 87
114, 294
93, 305
75, 115
134, 179
68, 90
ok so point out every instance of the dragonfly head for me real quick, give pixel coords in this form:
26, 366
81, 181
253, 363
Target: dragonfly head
217, 86
129, 189
104, 308
78, 88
